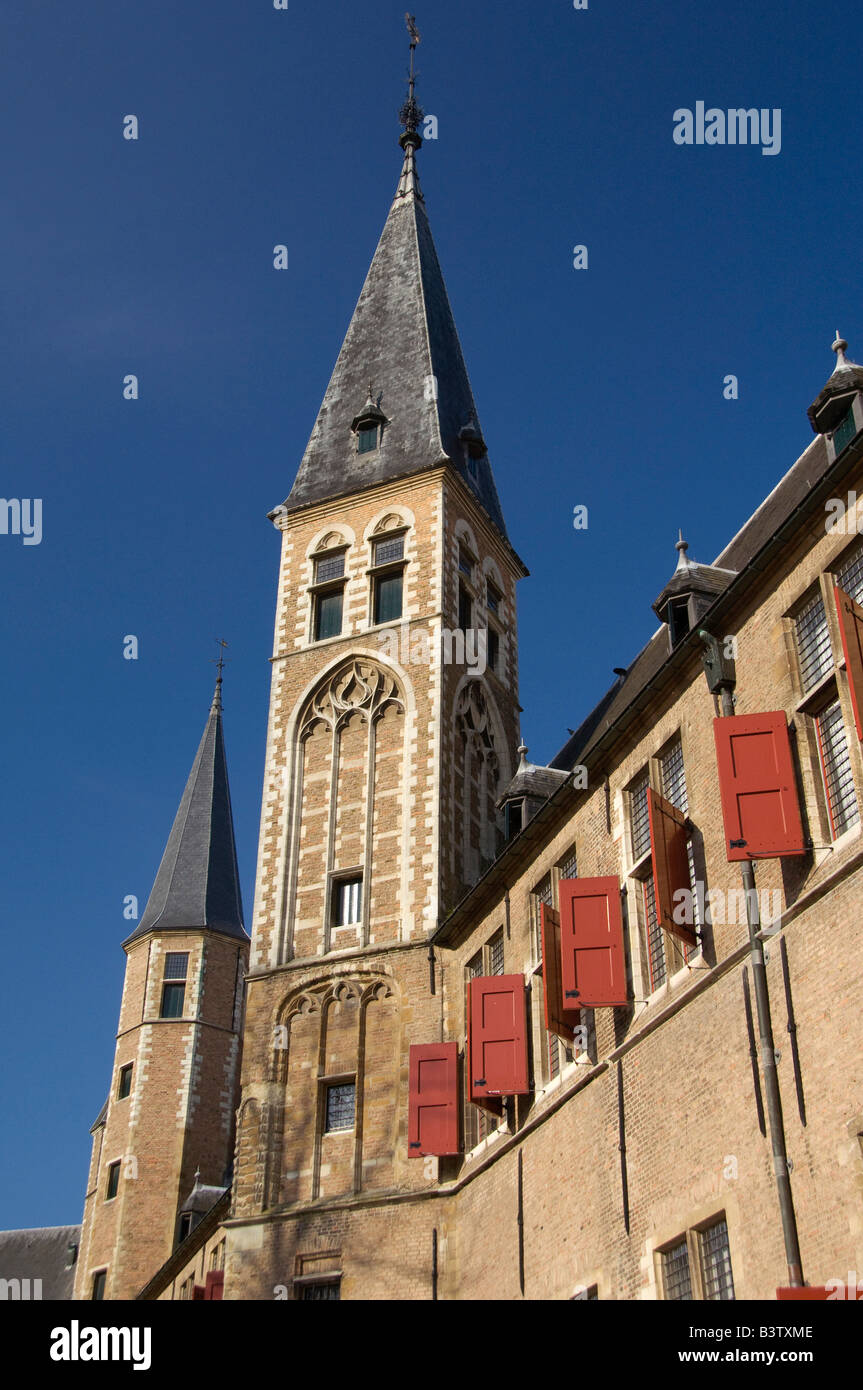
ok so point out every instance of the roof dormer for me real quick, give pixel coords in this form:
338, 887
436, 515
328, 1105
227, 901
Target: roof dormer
689, 593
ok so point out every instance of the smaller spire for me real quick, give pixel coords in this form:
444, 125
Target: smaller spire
522, 758
681, 547
840, 347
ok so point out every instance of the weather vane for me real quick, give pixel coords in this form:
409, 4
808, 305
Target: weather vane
411, 113
221, 659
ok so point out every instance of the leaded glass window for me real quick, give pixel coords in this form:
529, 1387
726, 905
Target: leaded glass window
836, 770
814, 648
341, 1106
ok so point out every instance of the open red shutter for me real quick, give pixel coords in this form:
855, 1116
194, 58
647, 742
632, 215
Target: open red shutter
215, 1283
498, 1036
668, 843
592, 955
433, 1109
851, 628
756, 782
556, 1019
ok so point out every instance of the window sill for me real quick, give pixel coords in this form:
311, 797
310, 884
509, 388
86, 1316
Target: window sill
813, 698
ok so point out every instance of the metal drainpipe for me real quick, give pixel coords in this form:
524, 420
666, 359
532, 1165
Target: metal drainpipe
768, 1058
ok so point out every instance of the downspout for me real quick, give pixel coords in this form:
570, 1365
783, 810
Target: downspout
721, 681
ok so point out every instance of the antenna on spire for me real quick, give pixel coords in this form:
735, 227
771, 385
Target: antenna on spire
221, 663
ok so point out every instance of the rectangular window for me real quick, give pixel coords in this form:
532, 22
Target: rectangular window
639, 819
341, 1105
367, 440
329, 1292
495, 954
330, 567
657, 966
849, 575
836, 770
125, 1085
716, 1278
542, 893
348, 901
672, 776
328, 614
176, 965
492, 650
173, 999
388, 598
845, 431
512, 818
814, 649
492, 598
465, 561
99, 1285
569, 865
676, 1280
113, 1181
465, 609
393, 548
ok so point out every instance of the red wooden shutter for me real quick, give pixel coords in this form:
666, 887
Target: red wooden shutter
592, 954
810, 1292
851, 628
668, 844
498, 1036
756, 782
215, 1283
556, 1019
198, 1292
433, 1107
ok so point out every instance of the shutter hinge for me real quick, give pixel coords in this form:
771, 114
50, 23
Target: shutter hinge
415, 1143
480, 1081
737, 844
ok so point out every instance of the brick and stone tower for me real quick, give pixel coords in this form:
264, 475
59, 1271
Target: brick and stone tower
174, 1089
392, 731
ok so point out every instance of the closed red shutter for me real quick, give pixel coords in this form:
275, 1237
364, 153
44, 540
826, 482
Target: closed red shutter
810, 1292
215, 1283
668, 843
851, 628
498, 1036
556, 1019
433, 1106
756, 783
593, 960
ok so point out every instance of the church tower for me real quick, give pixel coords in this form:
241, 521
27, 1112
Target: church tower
170, 1111
393, 726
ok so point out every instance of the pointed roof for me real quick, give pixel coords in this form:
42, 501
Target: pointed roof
198, 883
403, 339
834, 400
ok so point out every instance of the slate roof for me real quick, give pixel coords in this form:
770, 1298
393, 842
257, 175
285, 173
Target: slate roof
198, 883
401, 337
531, 779
40, 1253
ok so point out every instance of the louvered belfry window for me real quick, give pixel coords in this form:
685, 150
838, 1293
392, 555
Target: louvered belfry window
836, 770
814, 649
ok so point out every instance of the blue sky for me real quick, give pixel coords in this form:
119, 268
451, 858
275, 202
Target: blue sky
601, 387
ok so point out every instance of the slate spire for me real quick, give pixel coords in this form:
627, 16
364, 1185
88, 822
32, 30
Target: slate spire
403, 338
198, 883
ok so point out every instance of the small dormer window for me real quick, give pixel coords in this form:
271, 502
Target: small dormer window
678, 619
367, 439
513, 817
